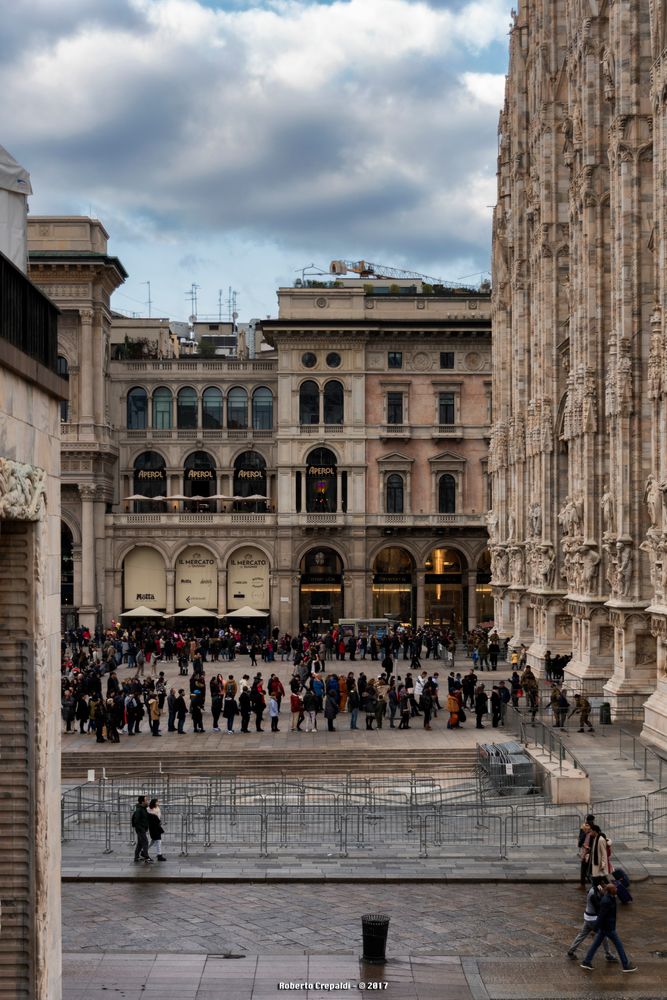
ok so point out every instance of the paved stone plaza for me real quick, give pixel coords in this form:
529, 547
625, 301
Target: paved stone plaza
475, 941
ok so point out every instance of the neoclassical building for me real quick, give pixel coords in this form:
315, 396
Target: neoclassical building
340, 474
578, 456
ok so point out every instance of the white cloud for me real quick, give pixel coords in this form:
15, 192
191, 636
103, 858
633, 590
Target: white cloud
351, 125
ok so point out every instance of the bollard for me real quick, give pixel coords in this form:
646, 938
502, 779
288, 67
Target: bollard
374, 931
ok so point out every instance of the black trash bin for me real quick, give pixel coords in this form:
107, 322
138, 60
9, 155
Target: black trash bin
605, 714
375, 928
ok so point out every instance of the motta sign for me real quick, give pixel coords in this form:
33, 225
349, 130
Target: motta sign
145, 580
196, 579
248, 579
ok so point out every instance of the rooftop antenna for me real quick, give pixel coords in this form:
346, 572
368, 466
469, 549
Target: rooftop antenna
219, 304
310, 269
150, 301
231, 304
192, 295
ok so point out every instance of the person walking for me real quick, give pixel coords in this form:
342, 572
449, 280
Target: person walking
154, 710
591, 914
495, 706
155, 828
427, 705
605, 927
582, 708
296, 712
140, 827
353, 703
310, 710
404, 705
584, 845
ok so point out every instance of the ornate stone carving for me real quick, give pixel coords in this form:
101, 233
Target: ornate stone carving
87, 491
516, 565
608, 75
608, 507
590, 563
22, 491
653, 500
535, 519
492, 526
623, 568
571, 516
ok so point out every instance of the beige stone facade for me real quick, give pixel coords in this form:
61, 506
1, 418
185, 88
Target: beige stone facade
366, 427
30, 393
577, 458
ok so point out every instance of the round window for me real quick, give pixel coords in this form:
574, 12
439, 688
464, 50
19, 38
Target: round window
309, 360
333, 359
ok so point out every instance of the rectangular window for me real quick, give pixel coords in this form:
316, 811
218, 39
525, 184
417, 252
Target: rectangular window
446, 408
394, 407
395, 359
446, 359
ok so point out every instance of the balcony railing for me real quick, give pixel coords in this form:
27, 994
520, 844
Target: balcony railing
448, 431
174, 519
321, 429
218, 434
28, 320
191, 365
395, 430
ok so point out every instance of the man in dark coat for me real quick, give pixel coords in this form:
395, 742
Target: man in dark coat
140, 826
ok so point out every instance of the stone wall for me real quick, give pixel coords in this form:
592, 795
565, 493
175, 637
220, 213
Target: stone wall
578, 440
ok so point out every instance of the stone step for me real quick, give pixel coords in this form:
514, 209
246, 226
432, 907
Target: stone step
265, 763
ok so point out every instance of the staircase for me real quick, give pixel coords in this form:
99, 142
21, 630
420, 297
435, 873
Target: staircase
270, 764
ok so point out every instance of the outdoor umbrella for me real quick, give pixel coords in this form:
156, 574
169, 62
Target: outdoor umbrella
246, 612
142, 612
137, 496
195, 612
178, 496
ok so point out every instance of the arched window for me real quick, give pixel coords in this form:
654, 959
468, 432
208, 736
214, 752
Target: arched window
237, 409
137, 409
309, 403
447, 494
395, 494
262, 409
187, 409
199, 480
162, 409
212, 409
321, 482
333, 403
150, 480
250, 475
63, 371
66, 566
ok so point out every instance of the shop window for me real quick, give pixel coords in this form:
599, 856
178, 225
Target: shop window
333, 403
137, 410
150, 481
187, 409
250, 479
162, 409
212, 409
237, 409
447, 494
395, 494
200, 482
321, 481
309, 403
262, 409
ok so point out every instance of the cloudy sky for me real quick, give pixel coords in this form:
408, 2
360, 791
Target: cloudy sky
234, 142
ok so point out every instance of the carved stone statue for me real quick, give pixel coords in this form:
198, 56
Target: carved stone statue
590, 561
503, 565
492, 525
624, 568
608, 505
653, 498
535, 519
511, 526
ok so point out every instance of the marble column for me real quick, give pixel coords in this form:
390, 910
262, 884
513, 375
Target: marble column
472, 599
86, 414
88, 608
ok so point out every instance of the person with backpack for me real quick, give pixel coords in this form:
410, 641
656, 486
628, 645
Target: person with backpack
140, 827
599, 851
591, 913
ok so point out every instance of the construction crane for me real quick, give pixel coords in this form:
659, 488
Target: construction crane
365, 269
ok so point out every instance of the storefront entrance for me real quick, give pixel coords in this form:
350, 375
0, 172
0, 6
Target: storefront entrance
321, 589
394, 593
445, 597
